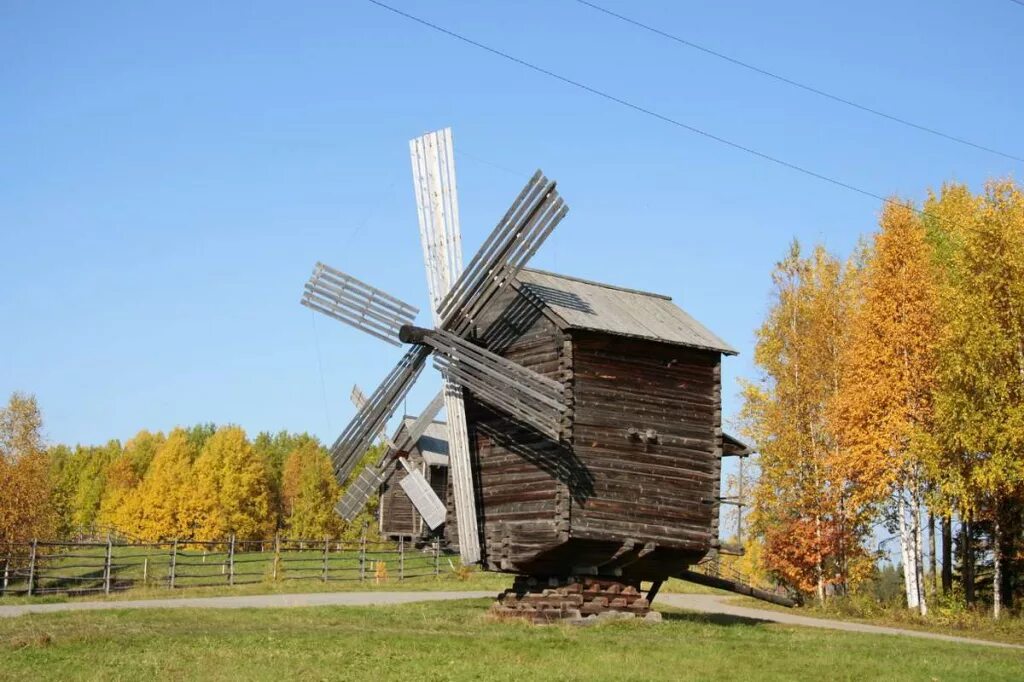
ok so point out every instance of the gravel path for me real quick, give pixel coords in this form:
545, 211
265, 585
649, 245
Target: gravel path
703, 603
719, 605
255, 601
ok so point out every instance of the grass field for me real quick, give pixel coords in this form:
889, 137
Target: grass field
456, 640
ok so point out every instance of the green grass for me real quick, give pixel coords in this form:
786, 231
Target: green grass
456, 640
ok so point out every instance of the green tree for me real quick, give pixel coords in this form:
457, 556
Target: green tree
310, 492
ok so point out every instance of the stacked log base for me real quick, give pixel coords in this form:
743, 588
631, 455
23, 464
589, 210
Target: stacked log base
576, 599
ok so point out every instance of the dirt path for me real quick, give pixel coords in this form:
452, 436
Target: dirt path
255, 601
719, 605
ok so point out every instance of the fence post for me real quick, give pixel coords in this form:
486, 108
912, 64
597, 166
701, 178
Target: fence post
7, 572
231, 560
32, 568
145, 571
362, 555
174, 561
323, 571
401, 557
106, 567
437, 557
277, 553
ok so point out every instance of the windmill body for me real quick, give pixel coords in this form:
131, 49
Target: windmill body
630, 488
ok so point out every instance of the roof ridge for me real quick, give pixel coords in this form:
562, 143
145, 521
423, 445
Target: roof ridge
598, 284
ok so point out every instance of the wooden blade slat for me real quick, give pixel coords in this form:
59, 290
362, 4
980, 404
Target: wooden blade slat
528, 222
422, 496
518, 391
366, 484
419, 427
372, 417
356, 303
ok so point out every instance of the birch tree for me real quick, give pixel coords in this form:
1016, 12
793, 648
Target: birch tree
882, 413
980, 395
811, 534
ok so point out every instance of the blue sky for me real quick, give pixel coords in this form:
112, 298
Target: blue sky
169, 175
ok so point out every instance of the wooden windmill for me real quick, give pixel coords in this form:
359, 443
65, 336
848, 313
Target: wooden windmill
584, 418
424, 448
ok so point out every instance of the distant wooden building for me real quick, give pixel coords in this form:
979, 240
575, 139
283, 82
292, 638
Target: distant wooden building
632, 488
395, 514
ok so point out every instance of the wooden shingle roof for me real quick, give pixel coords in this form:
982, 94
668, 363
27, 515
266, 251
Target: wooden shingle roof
582, 304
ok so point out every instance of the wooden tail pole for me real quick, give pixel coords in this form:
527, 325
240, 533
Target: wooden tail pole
174, 562
32, 568
106, 567
735, 586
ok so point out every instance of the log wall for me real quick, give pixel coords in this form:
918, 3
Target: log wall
522, 477
662, 491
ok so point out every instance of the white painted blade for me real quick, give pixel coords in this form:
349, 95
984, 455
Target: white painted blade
423, 497
437, 206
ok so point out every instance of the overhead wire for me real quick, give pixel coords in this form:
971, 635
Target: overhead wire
651, 113
630, 105
797, 84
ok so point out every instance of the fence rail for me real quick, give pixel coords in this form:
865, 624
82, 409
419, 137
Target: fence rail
45, 567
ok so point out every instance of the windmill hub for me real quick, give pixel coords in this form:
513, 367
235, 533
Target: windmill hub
409, 333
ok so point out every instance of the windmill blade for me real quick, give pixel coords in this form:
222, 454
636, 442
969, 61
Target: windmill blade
423, 497
437, 205
359, 492
522, 393
349, 300
373, 416
412, 435
359, 400
521, 231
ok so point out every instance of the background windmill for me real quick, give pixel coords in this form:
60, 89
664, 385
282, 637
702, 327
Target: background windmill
457, 298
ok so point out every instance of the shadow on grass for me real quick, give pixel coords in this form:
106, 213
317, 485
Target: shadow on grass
720, 619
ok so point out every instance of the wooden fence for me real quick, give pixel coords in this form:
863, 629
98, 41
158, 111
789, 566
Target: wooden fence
45, 567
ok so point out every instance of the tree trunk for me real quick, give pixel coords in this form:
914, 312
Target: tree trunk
819, 568
933, 560
915, 512
997, 564
967, 554
907, 552
947, 554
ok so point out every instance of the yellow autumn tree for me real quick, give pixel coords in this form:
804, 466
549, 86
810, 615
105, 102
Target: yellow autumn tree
309, 493
25, 484
124, 473
979, 402
882, 411
811, 536
157, 509
232, 492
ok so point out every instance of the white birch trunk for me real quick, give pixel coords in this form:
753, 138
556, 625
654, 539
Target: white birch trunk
918, 550
997, 563
907, 552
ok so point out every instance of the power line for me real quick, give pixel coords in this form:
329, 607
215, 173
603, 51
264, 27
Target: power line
797, 84
635, 107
